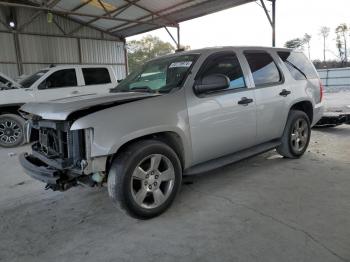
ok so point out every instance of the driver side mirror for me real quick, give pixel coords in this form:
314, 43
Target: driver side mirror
212, 83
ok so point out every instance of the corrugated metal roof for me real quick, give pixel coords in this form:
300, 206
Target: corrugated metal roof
125, 18
191, 10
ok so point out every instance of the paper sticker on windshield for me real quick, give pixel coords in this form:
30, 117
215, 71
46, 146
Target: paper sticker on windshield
181, 64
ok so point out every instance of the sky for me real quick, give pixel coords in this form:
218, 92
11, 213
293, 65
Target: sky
248, 25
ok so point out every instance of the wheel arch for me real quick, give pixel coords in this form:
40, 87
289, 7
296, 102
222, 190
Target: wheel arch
10, 109
170, 138
306, 107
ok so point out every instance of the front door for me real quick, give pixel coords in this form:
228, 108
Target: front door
222, 122
60, 84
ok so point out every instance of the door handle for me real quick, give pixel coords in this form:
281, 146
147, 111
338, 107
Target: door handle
285, 93
75, 92
245, 101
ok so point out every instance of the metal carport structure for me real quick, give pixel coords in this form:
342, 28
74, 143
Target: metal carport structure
121, 18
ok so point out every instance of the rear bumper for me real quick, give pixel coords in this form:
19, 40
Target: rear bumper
318, 113
37, 169
333, 120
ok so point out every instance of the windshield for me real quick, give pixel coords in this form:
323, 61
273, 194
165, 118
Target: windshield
28, 81
158, 76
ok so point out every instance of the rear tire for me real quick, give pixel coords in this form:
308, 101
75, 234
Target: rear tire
296, 135
144, 179
11, 130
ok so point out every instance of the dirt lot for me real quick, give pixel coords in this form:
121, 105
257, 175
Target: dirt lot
262, 209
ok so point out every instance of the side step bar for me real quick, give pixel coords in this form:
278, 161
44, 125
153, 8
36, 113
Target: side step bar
229, 159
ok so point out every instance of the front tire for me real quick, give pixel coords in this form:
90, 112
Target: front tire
296, 136
145, 178
11, 130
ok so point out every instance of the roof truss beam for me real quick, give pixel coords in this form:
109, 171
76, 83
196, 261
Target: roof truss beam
104, 8
156, 14
4, 24
109, 13
80, 14
81, 5
123, 8
115, 28
51, 4
272, 19
58, 26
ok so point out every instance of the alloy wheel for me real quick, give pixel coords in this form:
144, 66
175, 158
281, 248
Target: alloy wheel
299, 135
10, 132
152, 181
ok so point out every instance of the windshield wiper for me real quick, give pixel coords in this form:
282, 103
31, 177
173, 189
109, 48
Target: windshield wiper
143, 89
136, 89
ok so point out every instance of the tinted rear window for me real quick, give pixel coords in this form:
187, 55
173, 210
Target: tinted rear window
298, 65
96, 76
263, 68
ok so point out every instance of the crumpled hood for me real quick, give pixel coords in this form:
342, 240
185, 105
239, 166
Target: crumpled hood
61, 109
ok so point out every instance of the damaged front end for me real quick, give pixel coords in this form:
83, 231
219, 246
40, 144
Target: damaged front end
61, 157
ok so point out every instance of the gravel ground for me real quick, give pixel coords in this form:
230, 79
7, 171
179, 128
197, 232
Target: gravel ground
262, 209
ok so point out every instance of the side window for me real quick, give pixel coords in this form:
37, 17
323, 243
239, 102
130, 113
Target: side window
226, 64
298, 65
96, 76
263, 68
61, 78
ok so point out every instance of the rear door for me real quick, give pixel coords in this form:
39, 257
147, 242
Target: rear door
59, 84
96, 80
270, 94
219, 123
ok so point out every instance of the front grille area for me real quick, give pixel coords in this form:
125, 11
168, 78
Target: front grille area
63, 148
54, 143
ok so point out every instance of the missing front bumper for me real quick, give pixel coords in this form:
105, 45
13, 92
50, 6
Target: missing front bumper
37, 169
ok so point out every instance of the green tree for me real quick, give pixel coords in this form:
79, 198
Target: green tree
140, 51
295, 43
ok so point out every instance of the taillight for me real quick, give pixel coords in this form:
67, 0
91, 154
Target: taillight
321, 91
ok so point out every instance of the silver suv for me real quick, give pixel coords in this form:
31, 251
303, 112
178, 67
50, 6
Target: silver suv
181, 114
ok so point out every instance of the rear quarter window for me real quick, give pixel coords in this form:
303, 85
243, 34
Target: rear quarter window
96, 76
264, 70
298, 65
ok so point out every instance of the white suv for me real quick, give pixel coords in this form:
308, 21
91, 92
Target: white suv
47, 84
